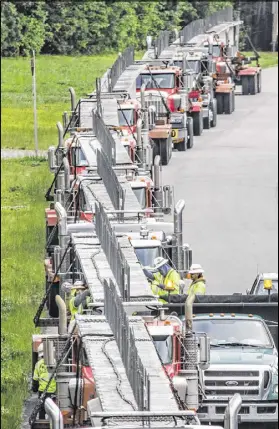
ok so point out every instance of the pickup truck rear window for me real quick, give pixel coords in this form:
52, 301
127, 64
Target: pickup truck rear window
259, 289
222, 331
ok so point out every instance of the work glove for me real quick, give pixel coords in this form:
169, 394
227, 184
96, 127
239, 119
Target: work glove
161, 286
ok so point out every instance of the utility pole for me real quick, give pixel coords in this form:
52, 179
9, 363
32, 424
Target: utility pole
274, 24
33, 71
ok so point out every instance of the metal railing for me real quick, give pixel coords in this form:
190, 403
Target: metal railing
110, 180
200, 26
125, 339
124, 60
162, 42
105, 138
111, 247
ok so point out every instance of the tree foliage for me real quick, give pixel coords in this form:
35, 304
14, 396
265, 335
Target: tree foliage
86, 27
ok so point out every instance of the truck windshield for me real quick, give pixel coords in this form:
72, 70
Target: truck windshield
178, 63
146, 255
163, 345
193, 65
163, 80
246, 332
126, 116
259, 290
78, 157
140, 193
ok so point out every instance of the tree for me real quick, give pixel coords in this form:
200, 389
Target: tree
11, 28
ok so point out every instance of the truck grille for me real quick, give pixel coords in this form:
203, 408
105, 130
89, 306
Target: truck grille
227, 383
156, 101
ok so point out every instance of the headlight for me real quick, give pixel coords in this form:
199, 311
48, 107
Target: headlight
275, 389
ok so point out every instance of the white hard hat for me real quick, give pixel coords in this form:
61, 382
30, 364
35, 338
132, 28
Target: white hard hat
41, 350
196, 269
79, 285
66, 287
159, 262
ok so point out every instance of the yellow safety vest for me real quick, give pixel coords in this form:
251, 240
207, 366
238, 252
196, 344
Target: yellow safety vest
42, 376
197, 287
172, 276
74, 310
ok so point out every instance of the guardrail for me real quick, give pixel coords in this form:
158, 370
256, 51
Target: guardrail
124, 60
200, 26
125, 339
111, 247
110, 180
105, 138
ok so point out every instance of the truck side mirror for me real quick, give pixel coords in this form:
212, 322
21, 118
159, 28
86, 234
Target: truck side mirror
248, 291
51, 159
167, 199
204, 352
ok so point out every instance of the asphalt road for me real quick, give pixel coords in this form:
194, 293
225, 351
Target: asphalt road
229, 181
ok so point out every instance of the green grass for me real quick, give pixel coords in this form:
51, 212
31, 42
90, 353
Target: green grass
54, 75
23, 186
267, 59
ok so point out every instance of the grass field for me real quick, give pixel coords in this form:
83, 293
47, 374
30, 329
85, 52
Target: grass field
54, 75
267, 59
23, 186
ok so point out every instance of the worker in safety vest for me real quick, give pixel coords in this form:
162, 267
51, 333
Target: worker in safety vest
79, 299
197, 286
41, 380
164, 279
198, 281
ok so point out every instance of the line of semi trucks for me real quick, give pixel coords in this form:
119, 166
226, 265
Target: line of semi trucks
128, 360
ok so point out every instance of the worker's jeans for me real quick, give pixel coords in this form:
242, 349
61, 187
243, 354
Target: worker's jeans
42, 412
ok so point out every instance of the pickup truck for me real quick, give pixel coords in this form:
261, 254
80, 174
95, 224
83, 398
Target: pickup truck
243, 359
258, 287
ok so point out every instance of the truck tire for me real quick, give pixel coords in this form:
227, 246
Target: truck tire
190, 128
228, 103
253, 85
206, 122
197, 123
233, 101
214, 111
245, 85
165, 150
259, 82
220, 104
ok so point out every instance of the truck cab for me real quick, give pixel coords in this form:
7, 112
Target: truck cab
166, 338
164, 90
243, 359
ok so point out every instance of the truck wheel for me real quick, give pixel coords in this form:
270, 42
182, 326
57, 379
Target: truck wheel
182, 146
206, 122
164, 151
197, 123
190, 129
228, 103
253, 84
214, 111
233, 101
245, 85
220, 104
259, 82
